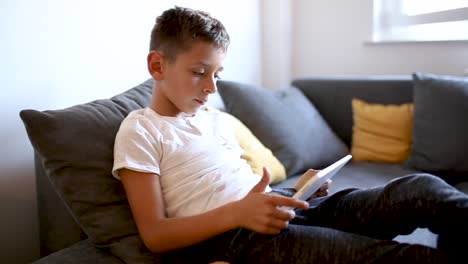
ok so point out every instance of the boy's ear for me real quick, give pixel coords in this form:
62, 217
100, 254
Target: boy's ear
155, 64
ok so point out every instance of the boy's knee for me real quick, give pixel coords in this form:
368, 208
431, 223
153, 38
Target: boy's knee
420, 179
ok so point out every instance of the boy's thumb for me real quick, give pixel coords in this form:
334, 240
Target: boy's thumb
264, 181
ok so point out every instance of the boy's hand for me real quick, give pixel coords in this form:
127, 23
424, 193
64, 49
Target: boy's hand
263, 183
323, 191
261, 212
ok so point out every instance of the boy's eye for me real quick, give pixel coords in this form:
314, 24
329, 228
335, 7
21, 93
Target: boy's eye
201, 74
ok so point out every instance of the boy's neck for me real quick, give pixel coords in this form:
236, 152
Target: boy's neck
164, 107
159, 105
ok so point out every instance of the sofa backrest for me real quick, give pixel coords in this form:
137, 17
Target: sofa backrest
332, 96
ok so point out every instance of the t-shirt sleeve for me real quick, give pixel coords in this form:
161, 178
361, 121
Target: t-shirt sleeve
135, 148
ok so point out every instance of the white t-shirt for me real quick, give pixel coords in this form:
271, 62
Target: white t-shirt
197, 158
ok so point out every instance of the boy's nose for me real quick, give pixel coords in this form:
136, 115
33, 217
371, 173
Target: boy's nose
210, 87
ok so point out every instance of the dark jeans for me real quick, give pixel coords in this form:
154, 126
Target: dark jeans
354, 226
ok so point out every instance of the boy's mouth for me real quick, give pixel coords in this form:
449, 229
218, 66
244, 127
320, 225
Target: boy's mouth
200, 102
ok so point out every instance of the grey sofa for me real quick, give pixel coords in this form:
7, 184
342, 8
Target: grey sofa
76, 224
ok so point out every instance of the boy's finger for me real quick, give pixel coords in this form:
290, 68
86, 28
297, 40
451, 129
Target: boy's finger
325, 186
264, 181
288, 202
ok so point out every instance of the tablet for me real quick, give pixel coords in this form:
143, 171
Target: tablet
314, 183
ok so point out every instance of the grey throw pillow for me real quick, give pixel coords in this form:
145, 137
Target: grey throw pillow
76, 147
440, 141
287, 123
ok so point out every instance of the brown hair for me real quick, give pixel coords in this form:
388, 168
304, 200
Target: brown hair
177, 28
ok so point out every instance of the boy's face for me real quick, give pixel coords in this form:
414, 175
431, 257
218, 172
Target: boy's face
185, 84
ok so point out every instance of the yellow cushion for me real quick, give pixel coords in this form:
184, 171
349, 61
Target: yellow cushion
255, 153
381, 133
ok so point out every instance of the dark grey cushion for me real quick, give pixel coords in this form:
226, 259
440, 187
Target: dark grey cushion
286, 122
79, 253
76, 147
440, 141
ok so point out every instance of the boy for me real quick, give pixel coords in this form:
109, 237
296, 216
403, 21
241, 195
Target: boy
195, 200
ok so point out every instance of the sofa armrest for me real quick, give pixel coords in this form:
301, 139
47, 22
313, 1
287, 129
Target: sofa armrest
81, 252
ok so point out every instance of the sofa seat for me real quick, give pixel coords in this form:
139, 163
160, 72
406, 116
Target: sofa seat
370, 174
360, 175
81, 252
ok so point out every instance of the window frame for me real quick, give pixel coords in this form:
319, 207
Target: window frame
390, 24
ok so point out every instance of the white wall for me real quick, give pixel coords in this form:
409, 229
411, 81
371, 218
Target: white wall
57, 53
276, 43
329, 38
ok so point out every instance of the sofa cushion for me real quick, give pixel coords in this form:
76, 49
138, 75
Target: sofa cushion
79, 253
76, 149
440, 142
286, 122
381, 132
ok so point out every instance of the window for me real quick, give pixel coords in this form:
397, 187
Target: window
420, 20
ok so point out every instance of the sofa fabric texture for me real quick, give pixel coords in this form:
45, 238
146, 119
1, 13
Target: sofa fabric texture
287, 123
332, 96
440, 143
51, 238
81, 252
76, 149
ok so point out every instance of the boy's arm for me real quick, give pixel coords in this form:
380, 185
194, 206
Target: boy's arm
161, 234
158, 232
